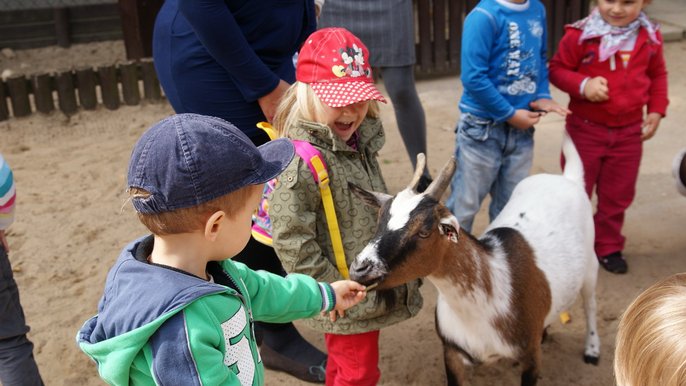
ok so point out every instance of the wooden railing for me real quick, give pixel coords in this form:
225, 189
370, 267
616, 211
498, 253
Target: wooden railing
85, 88
439, 30
438, 26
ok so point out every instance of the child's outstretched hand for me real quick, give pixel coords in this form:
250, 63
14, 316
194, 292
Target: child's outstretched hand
545, 105
596, 90
650, 125
348, 293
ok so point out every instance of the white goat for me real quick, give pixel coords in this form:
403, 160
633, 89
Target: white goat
496, 294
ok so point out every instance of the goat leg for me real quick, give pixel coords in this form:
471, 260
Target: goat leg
531, 364
454, 365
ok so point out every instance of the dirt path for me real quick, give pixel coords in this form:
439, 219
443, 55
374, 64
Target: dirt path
70, 226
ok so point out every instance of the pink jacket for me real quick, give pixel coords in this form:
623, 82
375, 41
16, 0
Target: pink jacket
643, 82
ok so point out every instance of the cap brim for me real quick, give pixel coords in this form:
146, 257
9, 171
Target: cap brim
678, 165
277, 155
339, 94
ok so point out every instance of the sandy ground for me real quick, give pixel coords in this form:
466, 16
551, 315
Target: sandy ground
72, 222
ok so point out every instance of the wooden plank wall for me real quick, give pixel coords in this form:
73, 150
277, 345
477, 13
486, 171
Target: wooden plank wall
110, 86
439, 23
45, 27
438, 31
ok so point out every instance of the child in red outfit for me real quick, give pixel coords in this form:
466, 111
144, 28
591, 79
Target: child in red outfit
611, 64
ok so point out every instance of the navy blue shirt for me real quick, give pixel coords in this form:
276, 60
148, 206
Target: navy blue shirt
217, 57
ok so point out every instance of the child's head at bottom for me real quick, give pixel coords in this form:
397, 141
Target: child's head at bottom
334, 84
651, 337
187, 168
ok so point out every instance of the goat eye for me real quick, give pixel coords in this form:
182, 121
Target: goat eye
424, 234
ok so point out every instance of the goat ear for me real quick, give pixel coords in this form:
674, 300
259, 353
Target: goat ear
450, 228
373, 199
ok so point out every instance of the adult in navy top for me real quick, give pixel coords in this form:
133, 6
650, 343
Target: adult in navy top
233, 59
229, 58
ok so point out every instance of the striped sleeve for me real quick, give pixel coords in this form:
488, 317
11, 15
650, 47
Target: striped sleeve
328, 297
7, 194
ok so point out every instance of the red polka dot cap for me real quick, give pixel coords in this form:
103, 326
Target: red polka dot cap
334, 62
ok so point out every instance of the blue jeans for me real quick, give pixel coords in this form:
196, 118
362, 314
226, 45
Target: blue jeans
17, 365
492, 157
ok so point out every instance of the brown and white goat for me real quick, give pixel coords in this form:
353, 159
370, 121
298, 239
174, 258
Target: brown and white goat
498, 293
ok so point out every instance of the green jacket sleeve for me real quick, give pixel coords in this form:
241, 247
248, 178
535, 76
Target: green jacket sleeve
276, 299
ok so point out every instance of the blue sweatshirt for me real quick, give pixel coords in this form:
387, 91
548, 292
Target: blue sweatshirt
503, 58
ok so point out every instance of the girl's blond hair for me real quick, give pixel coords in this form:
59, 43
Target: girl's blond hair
301, 103
651, 337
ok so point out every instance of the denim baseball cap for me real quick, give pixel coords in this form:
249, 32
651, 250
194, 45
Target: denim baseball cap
188, 159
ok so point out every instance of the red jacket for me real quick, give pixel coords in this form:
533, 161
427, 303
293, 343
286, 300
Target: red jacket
643, 82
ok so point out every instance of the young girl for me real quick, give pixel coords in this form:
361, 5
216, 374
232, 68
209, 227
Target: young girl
333, 106
649, 348
611, 65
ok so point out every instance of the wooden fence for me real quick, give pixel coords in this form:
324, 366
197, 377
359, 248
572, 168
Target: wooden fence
32, 28
127, 83
439, 32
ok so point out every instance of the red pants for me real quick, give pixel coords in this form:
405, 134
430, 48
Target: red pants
611, 158
353, 359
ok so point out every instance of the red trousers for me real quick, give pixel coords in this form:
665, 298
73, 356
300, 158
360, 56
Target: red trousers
611, 158
353, 359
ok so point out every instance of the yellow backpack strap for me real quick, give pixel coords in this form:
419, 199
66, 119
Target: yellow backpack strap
313, 159
269, 129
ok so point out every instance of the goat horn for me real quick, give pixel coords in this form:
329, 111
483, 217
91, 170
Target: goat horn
440, 184
418, 171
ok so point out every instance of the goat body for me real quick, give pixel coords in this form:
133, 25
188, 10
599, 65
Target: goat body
496, 294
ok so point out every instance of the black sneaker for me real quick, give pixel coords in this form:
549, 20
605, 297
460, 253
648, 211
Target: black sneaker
614, 262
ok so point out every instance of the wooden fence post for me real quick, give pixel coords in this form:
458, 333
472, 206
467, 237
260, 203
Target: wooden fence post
66, 93
129, 83
86, 81
109, 88
61, 17
151, 85
4, 111
42, 93
455, 9
138, 20
424, 18
19, 95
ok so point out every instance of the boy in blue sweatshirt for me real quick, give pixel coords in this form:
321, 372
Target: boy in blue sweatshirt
176, 310
506, 91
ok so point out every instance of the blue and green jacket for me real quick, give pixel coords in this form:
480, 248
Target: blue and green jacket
157, 325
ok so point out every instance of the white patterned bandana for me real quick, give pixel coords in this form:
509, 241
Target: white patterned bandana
613, 38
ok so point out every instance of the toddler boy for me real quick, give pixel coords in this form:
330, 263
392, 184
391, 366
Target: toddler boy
175, 309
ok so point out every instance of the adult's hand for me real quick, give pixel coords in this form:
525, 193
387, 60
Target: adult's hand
270, 102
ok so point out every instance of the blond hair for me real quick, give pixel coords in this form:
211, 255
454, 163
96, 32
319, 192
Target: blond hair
301, 103
651, 337
191, 219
